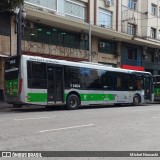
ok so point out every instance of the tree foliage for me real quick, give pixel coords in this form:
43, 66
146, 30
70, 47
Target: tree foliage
15, 3
9, 5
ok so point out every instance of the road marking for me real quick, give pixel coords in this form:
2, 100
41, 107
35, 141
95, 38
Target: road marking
154, 117
146, 110
73, 127
33, 118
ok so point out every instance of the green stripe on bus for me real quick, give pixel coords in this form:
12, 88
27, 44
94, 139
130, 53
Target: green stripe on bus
157, 91
96, 97
37, 97
42, 97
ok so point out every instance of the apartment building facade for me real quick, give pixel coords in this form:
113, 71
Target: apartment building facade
141, 19
122, 33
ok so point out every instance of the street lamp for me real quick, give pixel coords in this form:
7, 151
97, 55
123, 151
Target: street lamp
20, 15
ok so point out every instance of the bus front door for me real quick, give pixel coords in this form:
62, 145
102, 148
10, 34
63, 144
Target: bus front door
55, 85
147, 88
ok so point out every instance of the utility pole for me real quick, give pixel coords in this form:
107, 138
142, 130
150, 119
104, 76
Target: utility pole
19, 30
21, 15
90, 43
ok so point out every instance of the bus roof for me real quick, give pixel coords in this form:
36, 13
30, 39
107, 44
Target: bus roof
81, 64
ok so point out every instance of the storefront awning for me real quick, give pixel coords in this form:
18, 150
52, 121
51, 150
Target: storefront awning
137, 68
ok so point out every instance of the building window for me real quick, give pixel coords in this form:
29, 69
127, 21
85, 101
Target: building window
70, 8
54, 36
153, 9
75, 9
107, 47
105, 18
152, 57
132, 53
5, 24
131, 29
49, 4
132, 4
153, 33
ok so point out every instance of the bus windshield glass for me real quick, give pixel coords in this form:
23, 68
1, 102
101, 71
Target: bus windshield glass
12, 68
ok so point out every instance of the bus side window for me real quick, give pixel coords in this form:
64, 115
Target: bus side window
36, 75
108, 80
94, 79
85, 77
72, 77
129, 82
138, 84
119, 81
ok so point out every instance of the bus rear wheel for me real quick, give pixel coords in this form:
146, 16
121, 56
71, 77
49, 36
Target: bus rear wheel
136, 100
72, 102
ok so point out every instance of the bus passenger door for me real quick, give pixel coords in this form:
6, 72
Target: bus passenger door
55, 85
147, 88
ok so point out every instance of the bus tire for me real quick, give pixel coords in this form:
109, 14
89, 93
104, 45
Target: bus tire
72, 102
136, 100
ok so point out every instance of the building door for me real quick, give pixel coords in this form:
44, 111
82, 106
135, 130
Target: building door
55, 85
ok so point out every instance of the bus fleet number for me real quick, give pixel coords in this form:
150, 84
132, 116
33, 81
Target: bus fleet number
75, 85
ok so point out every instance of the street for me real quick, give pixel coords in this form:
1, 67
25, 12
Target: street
124, 128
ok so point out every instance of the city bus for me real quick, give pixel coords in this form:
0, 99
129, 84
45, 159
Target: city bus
156, 84
50, 82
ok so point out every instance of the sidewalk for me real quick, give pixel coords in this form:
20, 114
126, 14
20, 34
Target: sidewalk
5, 105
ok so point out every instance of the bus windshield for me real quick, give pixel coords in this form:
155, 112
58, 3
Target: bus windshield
12, 68
11, 72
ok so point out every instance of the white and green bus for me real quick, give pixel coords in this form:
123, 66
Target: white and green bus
49, 82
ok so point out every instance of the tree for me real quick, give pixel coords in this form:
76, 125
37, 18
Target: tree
9, 5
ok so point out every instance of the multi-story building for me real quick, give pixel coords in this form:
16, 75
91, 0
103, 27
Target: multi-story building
122, 33
141, 19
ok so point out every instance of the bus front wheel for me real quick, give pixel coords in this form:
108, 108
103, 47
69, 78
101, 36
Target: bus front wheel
72, 102
136, 100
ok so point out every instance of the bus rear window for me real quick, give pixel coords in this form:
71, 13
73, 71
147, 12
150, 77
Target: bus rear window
12, 68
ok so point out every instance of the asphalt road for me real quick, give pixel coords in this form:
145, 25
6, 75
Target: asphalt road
125, 128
